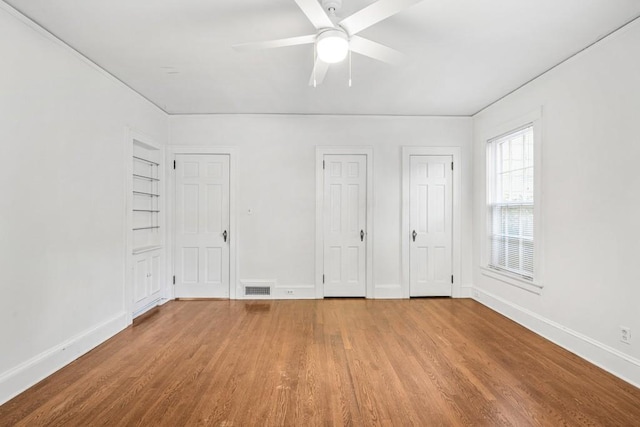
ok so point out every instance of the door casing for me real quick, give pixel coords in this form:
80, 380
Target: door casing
454, 152
320, 153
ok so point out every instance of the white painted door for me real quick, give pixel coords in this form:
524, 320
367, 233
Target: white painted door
430, 225
202, 226
345, 223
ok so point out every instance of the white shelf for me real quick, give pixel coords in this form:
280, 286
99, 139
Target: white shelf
144, 249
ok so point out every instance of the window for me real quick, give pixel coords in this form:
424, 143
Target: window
510, 202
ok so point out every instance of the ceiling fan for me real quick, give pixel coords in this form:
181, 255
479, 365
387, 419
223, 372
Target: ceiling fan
333, 41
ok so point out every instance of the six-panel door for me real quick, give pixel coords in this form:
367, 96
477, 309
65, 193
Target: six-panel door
430, 225
202, 226
345, 220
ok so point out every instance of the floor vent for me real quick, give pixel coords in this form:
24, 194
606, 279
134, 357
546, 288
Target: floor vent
257, 290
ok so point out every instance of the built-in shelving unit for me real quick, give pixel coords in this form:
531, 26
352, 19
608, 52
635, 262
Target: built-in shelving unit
146, 225
146, 191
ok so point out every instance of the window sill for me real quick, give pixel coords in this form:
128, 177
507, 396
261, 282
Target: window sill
513, 280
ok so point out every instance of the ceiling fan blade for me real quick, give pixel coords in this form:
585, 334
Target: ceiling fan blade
320, 69
269, 44
375, 50
374, 13
315, 13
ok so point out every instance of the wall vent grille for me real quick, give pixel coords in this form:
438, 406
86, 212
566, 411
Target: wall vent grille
257, 290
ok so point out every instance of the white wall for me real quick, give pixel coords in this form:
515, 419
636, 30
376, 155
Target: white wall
62, 210
590, 203
62, 223
276, 180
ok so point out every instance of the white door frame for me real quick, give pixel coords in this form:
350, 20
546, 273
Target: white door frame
172, 151
320, 153
407, 152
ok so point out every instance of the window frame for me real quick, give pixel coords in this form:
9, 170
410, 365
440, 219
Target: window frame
533, 285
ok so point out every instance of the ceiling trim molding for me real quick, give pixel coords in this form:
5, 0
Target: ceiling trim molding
423, 116
43, 31
47, 34
608, 36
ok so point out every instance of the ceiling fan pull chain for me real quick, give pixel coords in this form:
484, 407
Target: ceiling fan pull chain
349, 67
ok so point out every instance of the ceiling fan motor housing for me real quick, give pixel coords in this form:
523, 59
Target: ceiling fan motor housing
332, 45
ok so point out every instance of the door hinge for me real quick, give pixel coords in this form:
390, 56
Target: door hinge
174, 280
323, 278
451, 165
452, 278
174, 164
323, 164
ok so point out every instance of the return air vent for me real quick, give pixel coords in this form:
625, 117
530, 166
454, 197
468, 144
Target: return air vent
257, 290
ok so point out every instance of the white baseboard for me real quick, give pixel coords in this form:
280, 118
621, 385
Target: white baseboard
465, 291
18, 379
608, 358
294, 292
387, 292
267, 283
147, 307
278, 291
394, 291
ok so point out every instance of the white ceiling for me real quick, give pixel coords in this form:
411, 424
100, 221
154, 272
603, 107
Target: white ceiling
461, 54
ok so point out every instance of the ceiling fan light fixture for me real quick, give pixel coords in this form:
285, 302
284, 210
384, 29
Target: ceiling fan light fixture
332, 46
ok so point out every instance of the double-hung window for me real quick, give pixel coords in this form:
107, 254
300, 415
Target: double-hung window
510, 203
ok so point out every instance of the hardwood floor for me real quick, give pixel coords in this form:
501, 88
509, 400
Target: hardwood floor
425, 362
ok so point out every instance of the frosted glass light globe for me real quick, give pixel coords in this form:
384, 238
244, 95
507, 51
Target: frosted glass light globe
332, 46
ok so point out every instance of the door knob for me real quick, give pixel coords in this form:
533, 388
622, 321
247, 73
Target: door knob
414, 234
224, 234
362, 235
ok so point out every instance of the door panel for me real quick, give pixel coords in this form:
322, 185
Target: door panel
140, 278
190, 267
345, 216
431, 219
214, 269
202, 222
155, 273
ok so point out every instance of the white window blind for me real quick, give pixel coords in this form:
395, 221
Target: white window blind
510, 166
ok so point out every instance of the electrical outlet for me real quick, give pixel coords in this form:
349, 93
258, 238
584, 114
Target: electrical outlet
289, 291
625, 334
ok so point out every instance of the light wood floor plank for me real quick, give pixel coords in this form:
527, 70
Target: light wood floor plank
342, 362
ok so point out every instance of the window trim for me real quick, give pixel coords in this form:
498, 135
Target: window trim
492, 178
533, 119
